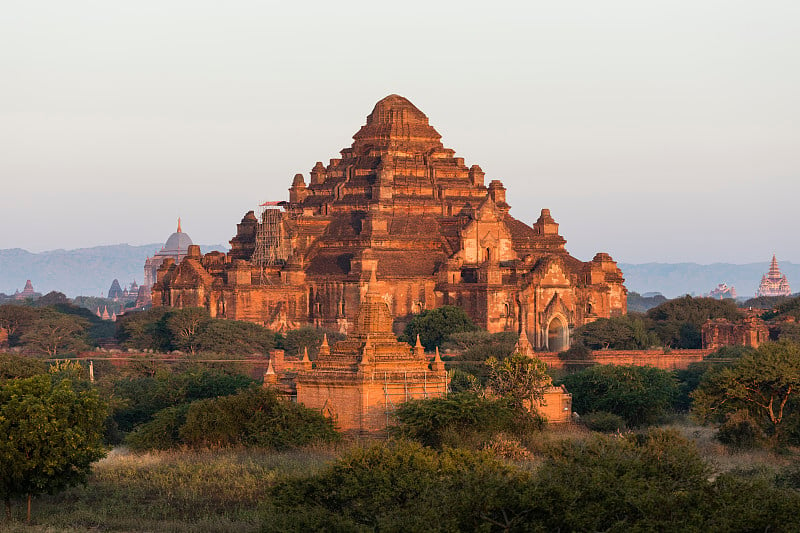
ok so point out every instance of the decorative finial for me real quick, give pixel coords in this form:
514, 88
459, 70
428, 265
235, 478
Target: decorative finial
437, 357
419, 344
179, 225
305, 355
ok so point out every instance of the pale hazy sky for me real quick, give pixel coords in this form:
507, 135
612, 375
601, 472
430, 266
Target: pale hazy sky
653, 130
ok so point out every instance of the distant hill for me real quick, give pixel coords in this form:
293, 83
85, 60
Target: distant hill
90, 271
80, 272
677, 279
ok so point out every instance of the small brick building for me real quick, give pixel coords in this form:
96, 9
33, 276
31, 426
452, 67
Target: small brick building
361, 380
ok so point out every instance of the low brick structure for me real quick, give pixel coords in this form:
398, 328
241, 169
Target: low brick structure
361, 380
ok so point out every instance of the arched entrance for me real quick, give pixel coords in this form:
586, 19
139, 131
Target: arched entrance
557, 335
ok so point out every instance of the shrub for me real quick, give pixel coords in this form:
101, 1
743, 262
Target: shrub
461, 419
603, 422
162, 432
740, 431
254, 417
434, 326
142, 397
639, 394
401, 486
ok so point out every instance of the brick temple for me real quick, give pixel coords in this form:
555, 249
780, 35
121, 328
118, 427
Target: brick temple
360, 381
399, 206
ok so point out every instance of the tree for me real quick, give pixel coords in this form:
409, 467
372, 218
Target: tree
51, 436
764, 383
185, 326
678, 322
295, 340
435, 325
235, 337
145, 330
17, 366
639, 394
630, 332
519, 378
461, 420
14, 317
54, 333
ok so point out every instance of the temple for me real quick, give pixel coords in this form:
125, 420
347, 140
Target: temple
400, 207
175, 248
774, 283
359, 381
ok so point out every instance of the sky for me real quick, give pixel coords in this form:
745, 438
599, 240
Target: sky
659, 131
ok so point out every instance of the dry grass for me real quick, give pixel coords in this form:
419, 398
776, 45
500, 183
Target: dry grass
172, 491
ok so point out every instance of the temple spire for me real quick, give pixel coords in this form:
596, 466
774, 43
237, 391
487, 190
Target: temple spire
179, 225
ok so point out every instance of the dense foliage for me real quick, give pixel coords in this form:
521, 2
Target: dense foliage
294, 341
678, 322
436, 325
519, 379
51, 435
462, 419
629, 332
139, 398
191, 330
639, 394
479, 345
637, 482
254, 417
758, 395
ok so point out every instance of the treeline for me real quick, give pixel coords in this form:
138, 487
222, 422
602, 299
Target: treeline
651, 481
673, 324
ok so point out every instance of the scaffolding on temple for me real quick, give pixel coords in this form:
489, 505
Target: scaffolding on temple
271, 246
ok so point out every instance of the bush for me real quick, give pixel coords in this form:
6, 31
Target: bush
400, 486
436, 325
254, 417
142, 397
162, 432
603, 422
740, 431
639, 394
463, 419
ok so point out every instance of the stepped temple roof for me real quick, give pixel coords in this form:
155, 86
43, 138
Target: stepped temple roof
399, 207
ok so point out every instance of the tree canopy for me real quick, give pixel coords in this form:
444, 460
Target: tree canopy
434, 326
639, 394
629, 332
763, 384
51, 435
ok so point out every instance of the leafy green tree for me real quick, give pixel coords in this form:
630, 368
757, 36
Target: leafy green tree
235, 337
142, 397
254, 417
145, 330
789, 307
55, 333
185, 326
434, 326
19, 366
639, 394
461, 420
764, 383
295, 340
630, 332
479, 345
678, 322
14, 318
51, 435
519, 378
401, 487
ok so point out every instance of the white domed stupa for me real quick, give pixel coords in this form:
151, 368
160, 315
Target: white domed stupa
176, 247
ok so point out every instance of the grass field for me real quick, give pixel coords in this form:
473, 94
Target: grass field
223, 490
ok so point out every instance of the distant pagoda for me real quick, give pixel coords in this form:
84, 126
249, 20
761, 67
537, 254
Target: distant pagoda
774, 283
